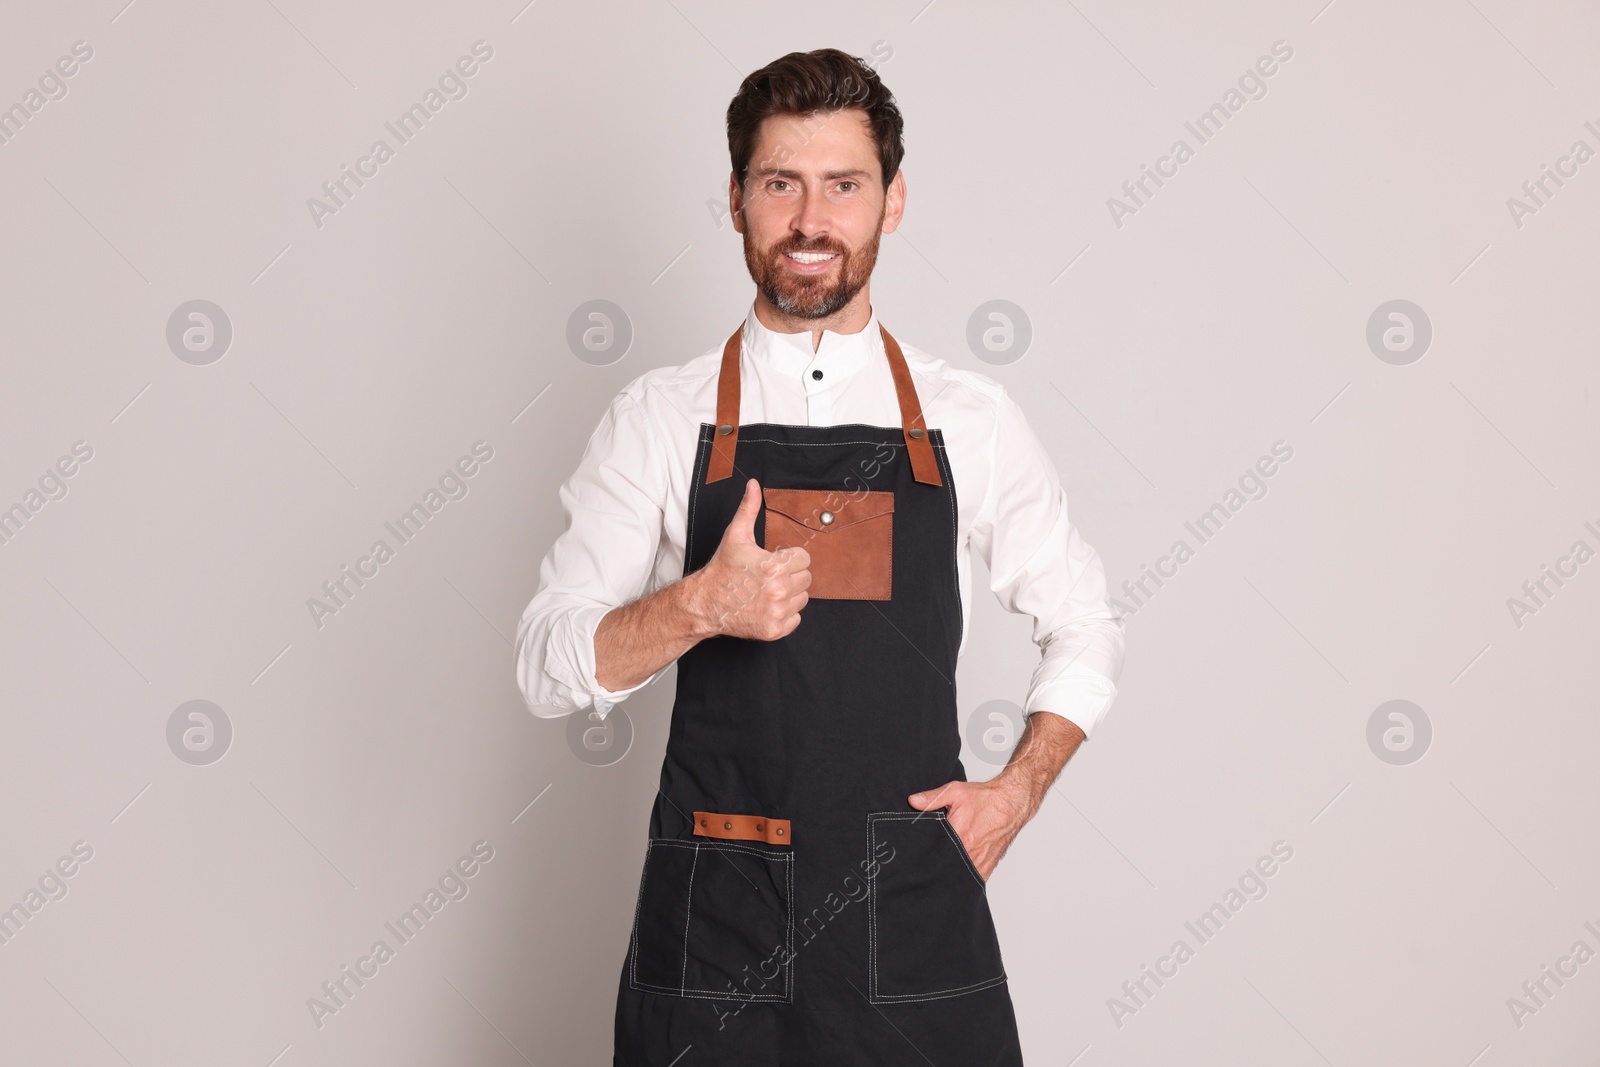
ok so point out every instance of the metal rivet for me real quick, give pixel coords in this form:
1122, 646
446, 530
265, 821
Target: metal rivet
916, 431
827, 518
725, 429
727, 826
780, 831
702, 822
760, 827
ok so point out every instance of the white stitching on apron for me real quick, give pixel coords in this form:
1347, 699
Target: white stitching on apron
786, 997
872, 908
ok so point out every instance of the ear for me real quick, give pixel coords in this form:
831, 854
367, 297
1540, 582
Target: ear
894, 201
735, 202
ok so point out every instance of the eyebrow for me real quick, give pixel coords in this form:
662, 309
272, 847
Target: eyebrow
832, 175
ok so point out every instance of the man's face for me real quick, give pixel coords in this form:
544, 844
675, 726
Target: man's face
813, 209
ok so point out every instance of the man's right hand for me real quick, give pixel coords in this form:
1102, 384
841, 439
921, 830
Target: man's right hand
748, 591
743, 591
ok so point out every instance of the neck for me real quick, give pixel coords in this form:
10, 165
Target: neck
852, 318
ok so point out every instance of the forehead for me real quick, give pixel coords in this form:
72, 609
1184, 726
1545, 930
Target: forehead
820, 141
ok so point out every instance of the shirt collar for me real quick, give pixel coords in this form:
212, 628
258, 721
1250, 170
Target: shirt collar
839, 356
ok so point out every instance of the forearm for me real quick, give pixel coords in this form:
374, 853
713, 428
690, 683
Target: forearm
988, 815
637, 639
1048, 742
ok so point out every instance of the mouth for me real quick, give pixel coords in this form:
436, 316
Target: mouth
810, 262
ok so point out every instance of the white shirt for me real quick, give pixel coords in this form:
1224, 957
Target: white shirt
626, 509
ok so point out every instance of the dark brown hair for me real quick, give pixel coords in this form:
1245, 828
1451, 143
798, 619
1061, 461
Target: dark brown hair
804, 82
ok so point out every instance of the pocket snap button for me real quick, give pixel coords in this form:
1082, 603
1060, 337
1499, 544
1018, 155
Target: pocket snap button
725, 429
916, 431
827, 518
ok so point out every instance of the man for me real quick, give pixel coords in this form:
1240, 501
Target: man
814, 884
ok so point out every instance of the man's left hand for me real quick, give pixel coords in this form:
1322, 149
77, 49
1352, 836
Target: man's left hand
987, 816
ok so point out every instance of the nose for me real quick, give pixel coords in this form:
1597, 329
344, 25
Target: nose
811, 218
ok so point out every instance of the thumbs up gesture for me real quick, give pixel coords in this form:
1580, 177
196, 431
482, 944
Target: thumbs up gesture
754, 593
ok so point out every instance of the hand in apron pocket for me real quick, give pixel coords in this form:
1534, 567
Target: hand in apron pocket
930, 931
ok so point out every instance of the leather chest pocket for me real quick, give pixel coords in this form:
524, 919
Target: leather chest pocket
930, 931
714, 921
849, 536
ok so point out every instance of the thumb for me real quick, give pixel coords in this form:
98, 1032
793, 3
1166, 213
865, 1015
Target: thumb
927, 801
742, 527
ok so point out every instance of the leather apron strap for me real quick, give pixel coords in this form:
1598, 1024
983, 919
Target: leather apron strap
726, 438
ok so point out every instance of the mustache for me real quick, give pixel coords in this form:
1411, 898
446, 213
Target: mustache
824, 247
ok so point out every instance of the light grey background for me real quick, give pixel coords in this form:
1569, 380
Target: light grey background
586, 162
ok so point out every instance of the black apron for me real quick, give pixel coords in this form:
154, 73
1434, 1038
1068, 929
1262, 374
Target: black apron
794, 909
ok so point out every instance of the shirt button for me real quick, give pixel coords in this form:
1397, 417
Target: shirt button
816, 375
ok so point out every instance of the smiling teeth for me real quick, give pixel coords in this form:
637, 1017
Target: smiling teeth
811, 257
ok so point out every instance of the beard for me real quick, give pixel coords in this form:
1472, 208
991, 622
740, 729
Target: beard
811, 296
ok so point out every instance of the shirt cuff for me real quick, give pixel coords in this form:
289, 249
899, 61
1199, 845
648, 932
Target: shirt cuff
572, 645
1078, 694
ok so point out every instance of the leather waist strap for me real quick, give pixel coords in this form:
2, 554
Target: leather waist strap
742, 827
726, 438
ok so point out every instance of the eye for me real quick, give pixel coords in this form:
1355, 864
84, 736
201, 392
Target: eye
851, 184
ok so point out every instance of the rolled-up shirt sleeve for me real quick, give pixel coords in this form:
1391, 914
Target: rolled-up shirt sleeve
1039, 565
613, 506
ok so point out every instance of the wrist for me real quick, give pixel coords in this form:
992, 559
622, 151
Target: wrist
1022, 787
694, 602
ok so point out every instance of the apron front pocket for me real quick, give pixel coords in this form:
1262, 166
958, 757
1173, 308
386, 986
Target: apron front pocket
849, 536
930, 933
714, 920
